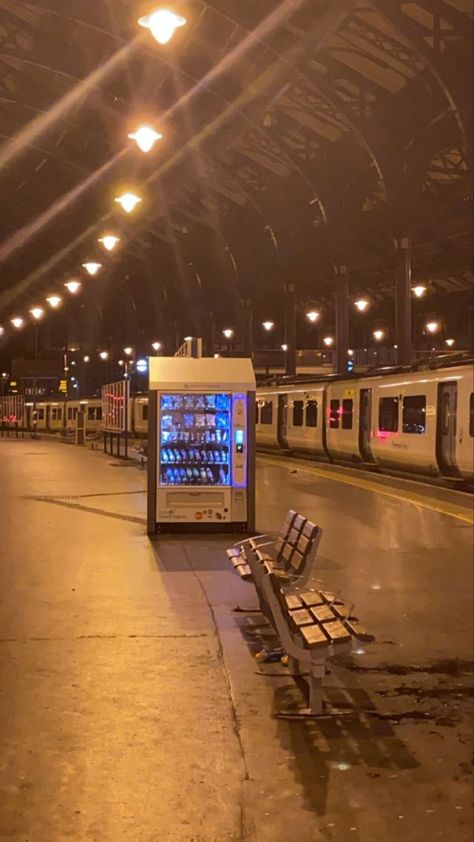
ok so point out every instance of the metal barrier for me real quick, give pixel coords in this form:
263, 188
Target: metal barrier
116, 418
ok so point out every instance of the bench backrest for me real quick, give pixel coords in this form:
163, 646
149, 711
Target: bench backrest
305, 545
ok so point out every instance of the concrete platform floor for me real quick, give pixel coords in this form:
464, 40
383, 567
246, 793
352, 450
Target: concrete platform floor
131, 706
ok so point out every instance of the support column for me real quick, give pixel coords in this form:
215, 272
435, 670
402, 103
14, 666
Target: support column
342, 318
209, 335
403, 301
290, 329
246, 327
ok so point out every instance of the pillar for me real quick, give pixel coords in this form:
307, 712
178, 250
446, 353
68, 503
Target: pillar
247, 327
342, 318
209, 338
403, 301
290, 329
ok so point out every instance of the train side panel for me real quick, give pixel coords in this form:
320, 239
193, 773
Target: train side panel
405, 423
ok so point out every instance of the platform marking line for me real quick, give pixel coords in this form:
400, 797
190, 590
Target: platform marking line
366, 485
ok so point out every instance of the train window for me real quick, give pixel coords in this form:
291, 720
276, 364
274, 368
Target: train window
69, 413
298, 413
145, 411
471, 415
414, 414
91, 413
40, 414
347, 413
74, 413
388, 415
99, 413
266, 413
334, 415
312, 414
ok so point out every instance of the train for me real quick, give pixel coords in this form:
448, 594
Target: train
410, 421
417, 420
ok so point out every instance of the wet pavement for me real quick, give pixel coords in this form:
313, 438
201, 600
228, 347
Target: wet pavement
131, 706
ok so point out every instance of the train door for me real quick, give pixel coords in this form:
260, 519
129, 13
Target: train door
365, 425
282, 431
446, 428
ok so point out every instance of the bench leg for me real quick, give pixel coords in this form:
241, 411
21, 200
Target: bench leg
316, 688
294, 666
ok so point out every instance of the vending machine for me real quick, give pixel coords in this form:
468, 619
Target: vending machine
201, 449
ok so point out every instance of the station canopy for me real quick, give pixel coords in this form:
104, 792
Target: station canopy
297, 135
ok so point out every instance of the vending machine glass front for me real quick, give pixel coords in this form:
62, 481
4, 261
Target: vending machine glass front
195, 440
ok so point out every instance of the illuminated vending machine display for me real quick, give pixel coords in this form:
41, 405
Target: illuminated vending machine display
204, 446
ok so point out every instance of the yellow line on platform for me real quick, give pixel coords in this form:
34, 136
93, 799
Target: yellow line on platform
415, 500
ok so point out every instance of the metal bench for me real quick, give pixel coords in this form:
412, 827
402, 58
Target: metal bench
292, 555
313, 625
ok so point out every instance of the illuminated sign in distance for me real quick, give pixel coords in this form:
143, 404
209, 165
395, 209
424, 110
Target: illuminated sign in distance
142, 366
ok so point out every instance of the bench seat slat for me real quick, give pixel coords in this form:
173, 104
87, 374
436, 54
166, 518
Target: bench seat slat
234, 551
302, 617
244, 571
358, 631
331, 598
293, 603
343, 612
314, 637
311, 599
336, 632
323, 614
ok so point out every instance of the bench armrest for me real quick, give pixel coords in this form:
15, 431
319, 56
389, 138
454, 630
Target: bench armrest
248, 540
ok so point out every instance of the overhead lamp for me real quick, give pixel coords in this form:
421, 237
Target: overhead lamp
2, 330
362, 304
378, 335
313, 316
450, 342
156, 346
145, 137
419, 291
109, 241
54, 301
268, 325
128, 201
92, 268
104, 355
328, 341
37, 313
432, 327
216, 356
73, 286
284, 347
128, 351
162, 24
87, 359
17, 322
228, 333
350, 352
121, 362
